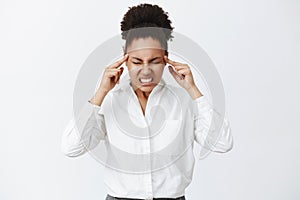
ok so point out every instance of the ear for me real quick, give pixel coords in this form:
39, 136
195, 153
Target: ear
166, 54
124, 53
123, 48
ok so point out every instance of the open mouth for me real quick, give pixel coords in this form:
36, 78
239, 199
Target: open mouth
146, 81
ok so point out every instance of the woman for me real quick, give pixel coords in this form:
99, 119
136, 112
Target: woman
148, 101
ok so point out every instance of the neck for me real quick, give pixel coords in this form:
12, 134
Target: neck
142, 94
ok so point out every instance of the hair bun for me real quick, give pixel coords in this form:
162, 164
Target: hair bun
146, 15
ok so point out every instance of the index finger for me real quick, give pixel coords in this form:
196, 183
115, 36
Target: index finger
119, 62
171, 61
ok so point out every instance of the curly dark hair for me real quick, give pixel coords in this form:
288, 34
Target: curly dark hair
146, 20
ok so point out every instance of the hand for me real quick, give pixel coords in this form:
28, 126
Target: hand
184, 77
112, 74
182, 73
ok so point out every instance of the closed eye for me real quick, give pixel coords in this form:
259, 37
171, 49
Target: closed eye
157, 62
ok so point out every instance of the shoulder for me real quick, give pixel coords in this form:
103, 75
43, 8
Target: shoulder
180, 98
179, 92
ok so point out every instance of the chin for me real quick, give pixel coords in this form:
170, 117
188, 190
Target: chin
146, 89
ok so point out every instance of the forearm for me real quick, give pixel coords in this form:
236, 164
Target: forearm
194, 92
209, 133
84, 131
98, 98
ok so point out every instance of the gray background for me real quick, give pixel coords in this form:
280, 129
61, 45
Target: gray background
254, 45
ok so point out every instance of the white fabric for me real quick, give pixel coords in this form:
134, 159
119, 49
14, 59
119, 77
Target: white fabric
184, 120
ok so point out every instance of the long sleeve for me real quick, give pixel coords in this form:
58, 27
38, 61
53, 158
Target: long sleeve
86, 133
206, 135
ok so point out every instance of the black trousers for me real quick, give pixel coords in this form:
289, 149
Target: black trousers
108, 197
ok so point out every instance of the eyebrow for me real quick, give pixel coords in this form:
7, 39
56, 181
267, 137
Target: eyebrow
152, 59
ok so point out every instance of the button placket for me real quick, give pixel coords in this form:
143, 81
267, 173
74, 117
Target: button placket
149, 173
147, 150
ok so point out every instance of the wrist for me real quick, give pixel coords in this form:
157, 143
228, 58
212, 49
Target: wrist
102, 91
98, 97
194, 92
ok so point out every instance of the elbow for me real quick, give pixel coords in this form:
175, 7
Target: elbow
228, 147
227, 142
223, 148
72, 152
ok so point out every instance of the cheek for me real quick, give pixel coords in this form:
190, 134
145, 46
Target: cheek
130, 68
159, 69
132, 71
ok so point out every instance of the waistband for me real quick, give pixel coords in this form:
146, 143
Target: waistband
109, 197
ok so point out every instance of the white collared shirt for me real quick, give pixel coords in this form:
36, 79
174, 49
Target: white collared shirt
146, 156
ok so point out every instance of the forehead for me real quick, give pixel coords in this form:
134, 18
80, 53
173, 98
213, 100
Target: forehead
145, 48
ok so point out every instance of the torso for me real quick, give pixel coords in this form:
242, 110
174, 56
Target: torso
143, 98
143, 103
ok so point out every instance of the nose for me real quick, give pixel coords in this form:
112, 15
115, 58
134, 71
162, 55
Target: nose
146, 70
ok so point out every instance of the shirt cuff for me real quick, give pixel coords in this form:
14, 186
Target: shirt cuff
200, 99
98, 109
